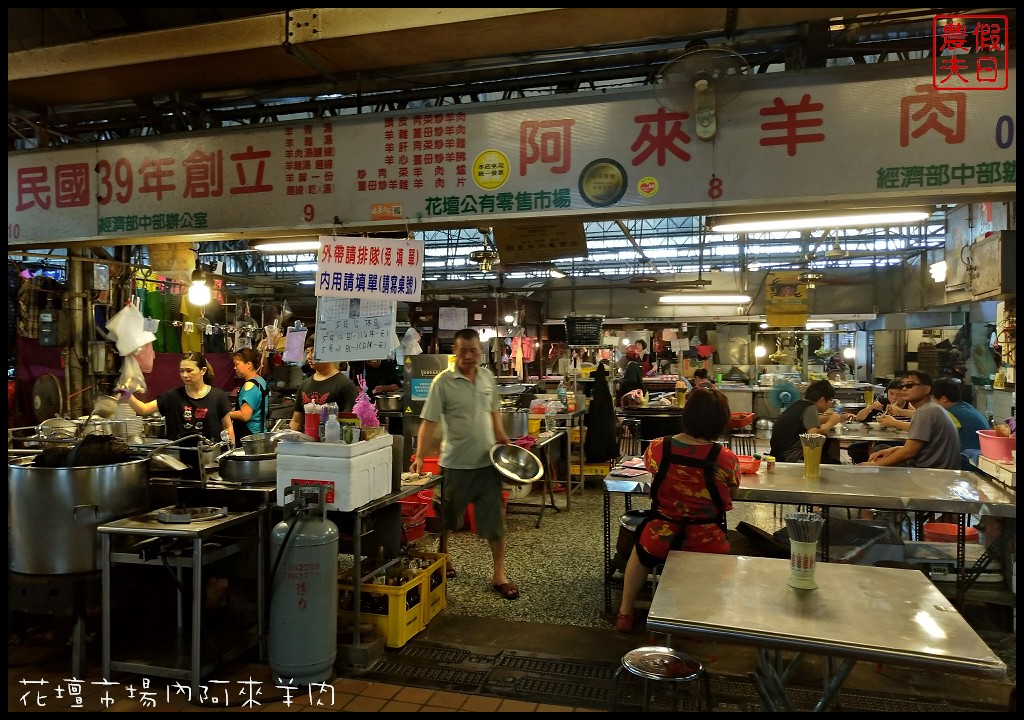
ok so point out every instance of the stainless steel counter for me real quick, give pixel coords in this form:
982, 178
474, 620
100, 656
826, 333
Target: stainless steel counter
185, 662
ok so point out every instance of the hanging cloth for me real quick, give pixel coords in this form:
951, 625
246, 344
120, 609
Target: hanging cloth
600, 443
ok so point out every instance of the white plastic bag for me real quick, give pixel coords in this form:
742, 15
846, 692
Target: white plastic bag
127, 329
132, 377
294, 346
411, 343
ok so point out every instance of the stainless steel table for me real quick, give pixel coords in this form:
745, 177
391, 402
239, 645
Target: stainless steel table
357, 542
858, 612
849, 435
627, 487
542, 448
566, 422
185, 545
916, 490
857, 486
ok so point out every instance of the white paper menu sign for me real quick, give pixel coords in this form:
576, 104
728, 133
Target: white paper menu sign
352, 329
452, 318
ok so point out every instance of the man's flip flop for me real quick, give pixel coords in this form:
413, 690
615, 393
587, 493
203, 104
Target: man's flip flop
509, 590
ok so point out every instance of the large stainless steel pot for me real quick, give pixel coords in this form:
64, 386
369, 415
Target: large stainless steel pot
237, 466
53, 513
154, 427
389, 402
516, 422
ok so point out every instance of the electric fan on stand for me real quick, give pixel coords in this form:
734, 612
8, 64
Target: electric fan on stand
781, 395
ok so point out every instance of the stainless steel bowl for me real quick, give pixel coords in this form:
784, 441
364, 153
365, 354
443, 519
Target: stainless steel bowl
518, 465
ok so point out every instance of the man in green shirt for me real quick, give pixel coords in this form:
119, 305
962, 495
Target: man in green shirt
465, 400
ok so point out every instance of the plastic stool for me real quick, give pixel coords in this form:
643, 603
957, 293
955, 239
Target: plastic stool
663, 664
742, 444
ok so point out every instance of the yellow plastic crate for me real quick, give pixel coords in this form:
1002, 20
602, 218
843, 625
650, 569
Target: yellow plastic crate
404, 615
434, 575
574, 435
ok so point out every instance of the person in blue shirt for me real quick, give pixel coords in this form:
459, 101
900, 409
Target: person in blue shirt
966, 417
251, 411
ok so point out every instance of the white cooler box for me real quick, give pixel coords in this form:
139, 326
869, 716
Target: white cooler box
355, 474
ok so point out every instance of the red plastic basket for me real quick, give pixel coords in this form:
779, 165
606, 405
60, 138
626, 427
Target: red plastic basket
740, 419
413, 513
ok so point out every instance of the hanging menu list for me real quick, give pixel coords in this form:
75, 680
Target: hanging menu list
352, 329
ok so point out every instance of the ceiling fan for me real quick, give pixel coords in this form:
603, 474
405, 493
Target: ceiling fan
700, 81
822, 254
487, 257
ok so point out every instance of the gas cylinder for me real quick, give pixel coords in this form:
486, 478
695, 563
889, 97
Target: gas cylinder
302, 642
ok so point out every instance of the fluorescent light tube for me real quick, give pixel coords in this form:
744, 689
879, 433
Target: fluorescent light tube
704, 299
290, 246
811, 221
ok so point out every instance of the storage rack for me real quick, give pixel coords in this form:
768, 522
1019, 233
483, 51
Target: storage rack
582, 332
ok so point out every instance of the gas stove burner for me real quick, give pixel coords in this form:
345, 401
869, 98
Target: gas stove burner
187, 515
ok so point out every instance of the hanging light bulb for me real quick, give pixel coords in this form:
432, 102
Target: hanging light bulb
199, 292
849, 353
760, 351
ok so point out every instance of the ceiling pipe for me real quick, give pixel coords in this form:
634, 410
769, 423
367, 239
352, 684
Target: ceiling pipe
636, 246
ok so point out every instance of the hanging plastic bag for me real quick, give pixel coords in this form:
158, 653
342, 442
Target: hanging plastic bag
411, 343
145, 356
127, 328
294, 346
132, 377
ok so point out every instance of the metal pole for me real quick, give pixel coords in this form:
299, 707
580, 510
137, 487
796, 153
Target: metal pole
74, 371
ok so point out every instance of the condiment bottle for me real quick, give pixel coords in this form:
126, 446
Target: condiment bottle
680, 393
769, 463
332, 429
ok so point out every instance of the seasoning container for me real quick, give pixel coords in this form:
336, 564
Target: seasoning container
769, 463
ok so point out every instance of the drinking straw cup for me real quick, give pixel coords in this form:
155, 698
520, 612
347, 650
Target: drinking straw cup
804, 530
812, 444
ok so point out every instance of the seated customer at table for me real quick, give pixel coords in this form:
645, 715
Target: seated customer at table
813, 414
695, 480
632, 379
966, 417
860, 450
701, 378
932, 440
